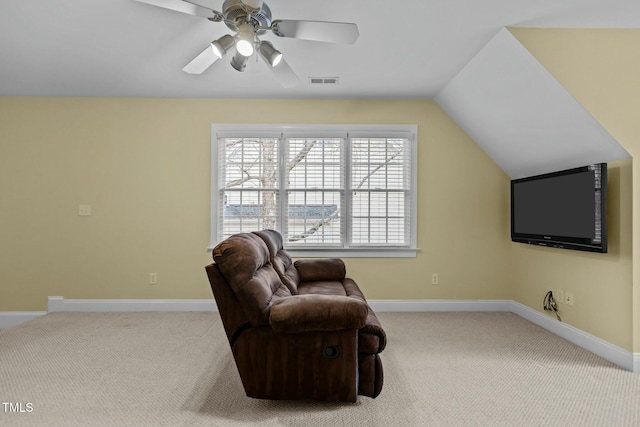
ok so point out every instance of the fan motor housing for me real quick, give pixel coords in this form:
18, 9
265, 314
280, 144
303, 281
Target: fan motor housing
235, 13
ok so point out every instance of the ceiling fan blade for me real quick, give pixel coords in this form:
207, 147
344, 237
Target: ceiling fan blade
331, 32
283, 73
201, 62
183, 6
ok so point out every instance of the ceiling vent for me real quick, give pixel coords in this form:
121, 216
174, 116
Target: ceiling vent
323, 80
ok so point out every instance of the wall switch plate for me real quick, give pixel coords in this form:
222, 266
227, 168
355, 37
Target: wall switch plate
153, 278
568, 298
84, 210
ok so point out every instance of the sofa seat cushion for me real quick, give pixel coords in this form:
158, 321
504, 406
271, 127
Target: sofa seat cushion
322, 287
344, 287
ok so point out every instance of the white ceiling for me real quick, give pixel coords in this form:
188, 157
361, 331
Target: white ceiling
406, 49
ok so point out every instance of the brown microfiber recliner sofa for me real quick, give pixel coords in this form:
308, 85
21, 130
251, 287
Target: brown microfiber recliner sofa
297, 330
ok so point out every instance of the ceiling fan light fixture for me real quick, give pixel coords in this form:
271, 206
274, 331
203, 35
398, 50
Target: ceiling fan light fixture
245, 40
249, 20
253, 4
269, 53
239, 61
222, 45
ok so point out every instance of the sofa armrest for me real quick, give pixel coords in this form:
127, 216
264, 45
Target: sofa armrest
311, 270
303, 313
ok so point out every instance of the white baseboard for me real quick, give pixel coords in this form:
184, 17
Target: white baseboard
406, 306
12, 318
602, 348
57, 304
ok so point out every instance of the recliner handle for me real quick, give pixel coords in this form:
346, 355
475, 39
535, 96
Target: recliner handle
331, 351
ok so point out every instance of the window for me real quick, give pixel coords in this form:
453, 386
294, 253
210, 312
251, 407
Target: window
344, 190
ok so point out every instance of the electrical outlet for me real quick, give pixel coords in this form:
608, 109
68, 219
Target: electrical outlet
435, 279
560, 298
568, 298
84, 210
153, 278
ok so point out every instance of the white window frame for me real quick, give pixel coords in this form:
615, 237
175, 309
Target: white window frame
345, 131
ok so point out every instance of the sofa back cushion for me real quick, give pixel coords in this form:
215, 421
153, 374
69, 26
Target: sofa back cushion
280, 259
244, 261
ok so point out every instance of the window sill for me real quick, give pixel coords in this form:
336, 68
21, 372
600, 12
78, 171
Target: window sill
353, 253
350, 253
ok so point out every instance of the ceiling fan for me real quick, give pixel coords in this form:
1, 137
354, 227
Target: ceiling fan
249, 19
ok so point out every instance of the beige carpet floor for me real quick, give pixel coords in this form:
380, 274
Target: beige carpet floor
176, 369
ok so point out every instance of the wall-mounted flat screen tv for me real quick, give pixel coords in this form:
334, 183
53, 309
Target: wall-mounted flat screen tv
563, 209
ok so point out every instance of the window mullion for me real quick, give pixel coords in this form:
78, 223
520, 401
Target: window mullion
217, 202
347, 214
283, 194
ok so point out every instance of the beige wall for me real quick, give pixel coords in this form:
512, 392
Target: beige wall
600, 283
144, 167
600, 68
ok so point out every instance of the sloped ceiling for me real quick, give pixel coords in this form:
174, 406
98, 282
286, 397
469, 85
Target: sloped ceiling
521, 116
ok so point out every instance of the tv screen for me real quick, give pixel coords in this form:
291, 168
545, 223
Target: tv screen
563, 209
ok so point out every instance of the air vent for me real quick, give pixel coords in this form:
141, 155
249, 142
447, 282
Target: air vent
323, 80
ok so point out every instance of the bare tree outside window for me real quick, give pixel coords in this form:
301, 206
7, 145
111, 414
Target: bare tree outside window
314, 188
250, 184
